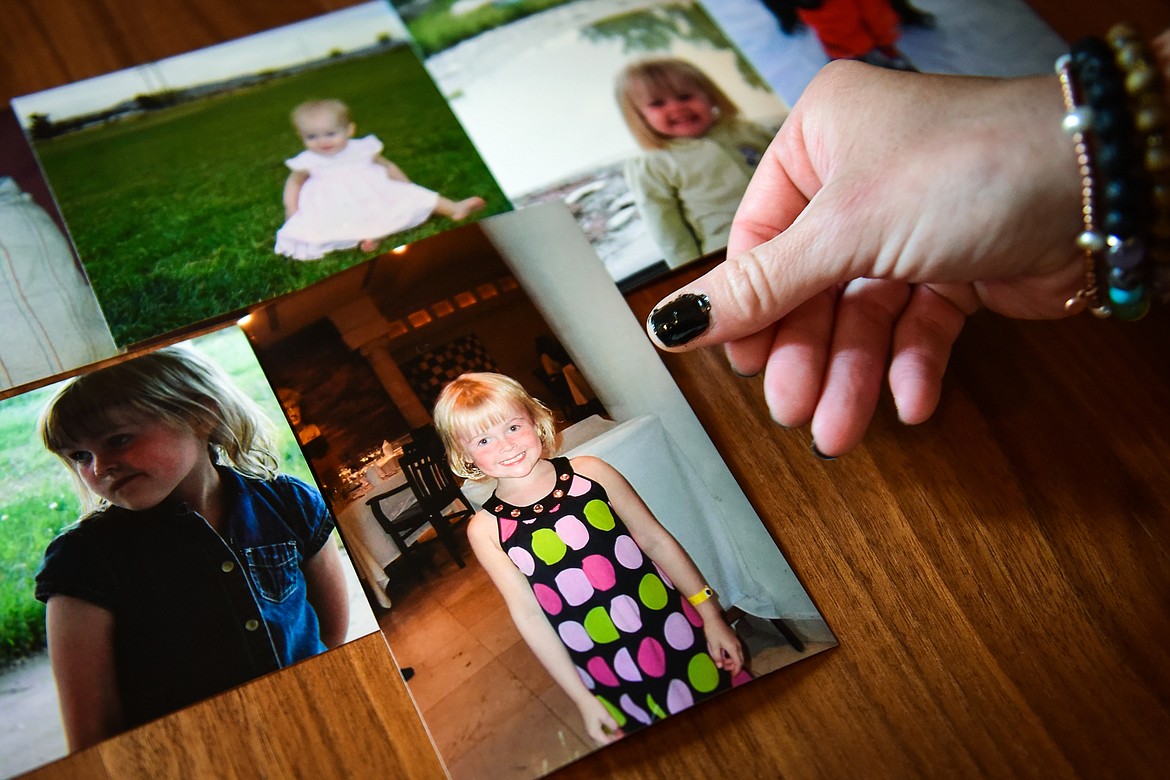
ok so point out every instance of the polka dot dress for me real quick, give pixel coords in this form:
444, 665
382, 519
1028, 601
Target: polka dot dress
637, 643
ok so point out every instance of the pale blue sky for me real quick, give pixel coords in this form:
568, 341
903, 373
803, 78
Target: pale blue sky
312, 39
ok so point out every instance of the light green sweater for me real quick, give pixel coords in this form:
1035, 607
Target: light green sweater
688, 192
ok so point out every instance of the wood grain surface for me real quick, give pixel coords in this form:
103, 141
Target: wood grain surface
998, 577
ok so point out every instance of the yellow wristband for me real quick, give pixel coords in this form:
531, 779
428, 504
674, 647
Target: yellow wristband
700, 597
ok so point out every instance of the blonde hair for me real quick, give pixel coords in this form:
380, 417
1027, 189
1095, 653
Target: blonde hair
644, 78
333, 106
177, 385
475, 401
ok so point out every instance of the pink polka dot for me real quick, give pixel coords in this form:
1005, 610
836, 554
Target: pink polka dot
744, 676
679, 633
601, 671
623, 664
633, 710
651, 658
627, 552
578, 486
678, 696
624, 613
507, 528
692, 614
599, 571
547, 598
575, 637
585, 678
574, 586
662, 574
572, 532
523, 560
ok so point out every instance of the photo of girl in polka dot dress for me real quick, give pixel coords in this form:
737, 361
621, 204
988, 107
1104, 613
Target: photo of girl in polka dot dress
607, 599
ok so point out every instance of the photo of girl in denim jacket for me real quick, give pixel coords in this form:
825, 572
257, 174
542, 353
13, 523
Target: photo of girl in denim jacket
196, 567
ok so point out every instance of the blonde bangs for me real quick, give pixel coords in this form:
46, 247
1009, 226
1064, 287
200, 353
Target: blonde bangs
472, 403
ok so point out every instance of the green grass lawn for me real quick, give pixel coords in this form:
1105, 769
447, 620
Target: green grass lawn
435, 28
174, 213
37, 499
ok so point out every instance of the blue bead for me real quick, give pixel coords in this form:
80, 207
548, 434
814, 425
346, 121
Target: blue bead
1118, 223
1120, 297
1125, 255
1129, 312
1119, 193
1106, 120
1114, 159
1104, 91
1123, 279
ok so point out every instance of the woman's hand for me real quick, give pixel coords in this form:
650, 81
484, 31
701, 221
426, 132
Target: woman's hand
889, 207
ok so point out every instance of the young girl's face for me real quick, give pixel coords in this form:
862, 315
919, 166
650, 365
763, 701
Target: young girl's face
507, 450
137, 464
324, 132
682, 112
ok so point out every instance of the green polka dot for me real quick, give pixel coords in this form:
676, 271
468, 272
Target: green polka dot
702, 673
599, 627
617, 714
598, 514
655, 710
652, 591
548, 546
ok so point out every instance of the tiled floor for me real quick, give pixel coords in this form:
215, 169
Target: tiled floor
489, 705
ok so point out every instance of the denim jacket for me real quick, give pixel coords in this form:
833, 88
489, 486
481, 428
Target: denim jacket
196, 613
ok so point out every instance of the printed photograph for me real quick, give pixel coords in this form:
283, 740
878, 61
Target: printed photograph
163, 541
555, 551
200, 184
639, 114
50, 314
790, 40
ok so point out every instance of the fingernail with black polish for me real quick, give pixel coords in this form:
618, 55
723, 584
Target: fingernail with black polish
813, 446
681, 320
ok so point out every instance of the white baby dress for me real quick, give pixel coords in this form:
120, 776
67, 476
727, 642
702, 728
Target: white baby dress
347, 199
51, 318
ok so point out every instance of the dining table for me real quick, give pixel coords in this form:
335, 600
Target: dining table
370, 547
997, 577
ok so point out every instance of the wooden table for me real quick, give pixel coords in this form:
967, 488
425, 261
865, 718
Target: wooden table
998, 578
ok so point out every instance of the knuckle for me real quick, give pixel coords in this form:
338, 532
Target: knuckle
748, 286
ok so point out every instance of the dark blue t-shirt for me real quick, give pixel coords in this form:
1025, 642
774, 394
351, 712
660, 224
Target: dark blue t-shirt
196, 613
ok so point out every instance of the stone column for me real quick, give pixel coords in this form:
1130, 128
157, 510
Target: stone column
364, 329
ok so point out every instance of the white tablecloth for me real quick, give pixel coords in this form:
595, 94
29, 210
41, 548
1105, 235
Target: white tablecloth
370, 548
736, 555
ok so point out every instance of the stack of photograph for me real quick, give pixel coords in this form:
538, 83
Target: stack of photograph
321, 332
336, 350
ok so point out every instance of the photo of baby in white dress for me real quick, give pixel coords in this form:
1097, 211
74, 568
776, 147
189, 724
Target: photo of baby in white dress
343, 193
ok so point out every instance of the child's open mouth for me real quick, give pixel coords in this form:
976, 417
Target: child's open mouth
512, 461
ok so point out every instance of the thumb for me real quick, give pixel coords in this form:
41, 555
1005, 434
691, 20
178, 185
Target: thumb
748, 292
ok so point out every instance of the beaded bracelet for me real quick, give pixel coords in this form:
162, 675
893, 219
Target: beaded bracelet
1116, 117
1090, 241
1143, 83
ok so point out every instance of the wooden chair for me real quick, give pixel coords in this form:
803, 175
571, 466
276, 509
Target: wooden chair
434, 486
400, 528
